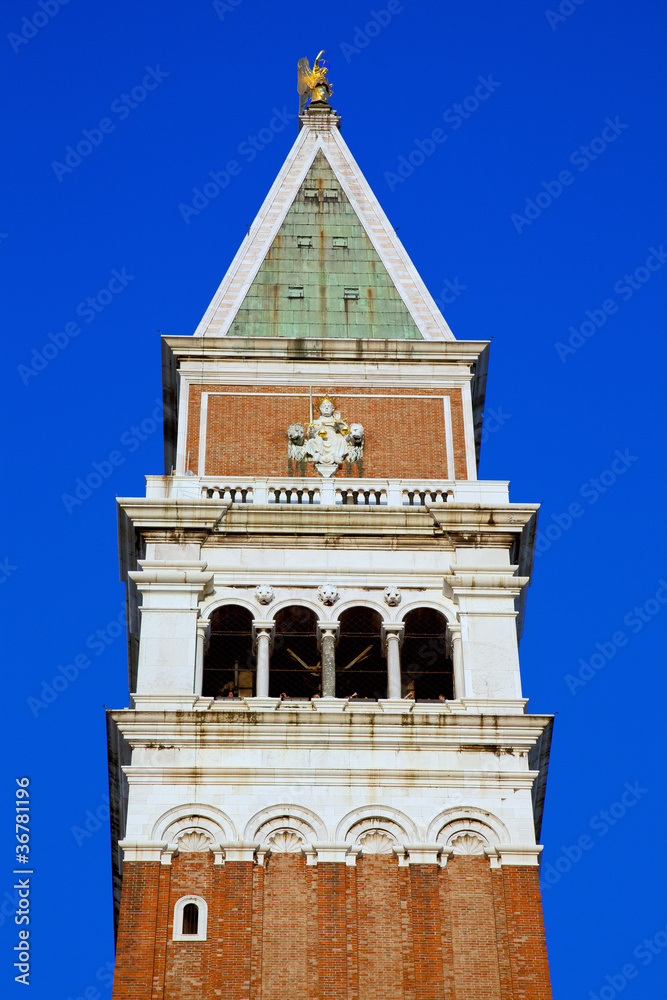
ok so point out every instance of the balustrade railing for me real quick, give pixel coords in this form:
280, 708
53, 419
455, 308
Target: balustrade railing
360, 496
312, 491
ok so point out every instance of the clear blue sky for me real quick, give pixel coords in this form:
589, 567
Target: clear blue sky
557, 417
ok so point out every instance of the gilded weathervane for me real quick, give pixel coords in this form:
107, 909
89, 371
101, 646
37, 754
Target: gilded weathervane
313, 86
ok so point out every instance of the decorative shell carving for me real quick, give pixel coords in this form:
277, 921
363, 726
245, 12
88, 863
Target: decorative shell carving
194, 842
264, 593
328, 593
377, 842
467, 843
285, 842
392, 596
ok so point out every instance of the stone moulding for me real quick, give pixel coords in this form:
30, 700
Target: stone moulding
189, 818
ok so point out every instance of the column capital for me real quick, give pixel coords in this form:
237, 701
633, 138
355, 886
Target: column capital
328, 628
142, 850
164, 584
514, 854
263, 627
392, 630
239, 850
335, 852
423, 854
485, 581
203, 627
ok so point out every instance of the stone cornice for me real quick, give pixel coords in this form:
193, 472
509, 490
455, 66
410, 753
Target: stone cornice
466, 734
362, 777
270, 349
459, 524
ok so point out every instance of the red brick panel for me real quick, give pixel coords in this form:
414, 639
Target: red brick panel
332, 932
405, 435
135, 947
332, 937
236, 930
446, 947
353, 930
163, 930
426, 931
380, 945
502, 937
257, 942
189, 965
285, 972
407, 944
525, 925
473, 929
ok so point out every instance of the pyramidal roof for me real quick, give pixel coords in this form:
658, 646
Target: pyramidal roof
321, 259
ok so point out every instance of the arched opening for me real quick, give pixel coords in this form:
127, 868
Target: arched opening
295, 670
361, 669
426, 663
190, 918
229, 662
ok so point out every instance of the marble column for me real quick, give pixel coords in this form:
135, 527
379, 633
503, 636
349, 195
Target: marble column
262, 633
392, 637
203, 629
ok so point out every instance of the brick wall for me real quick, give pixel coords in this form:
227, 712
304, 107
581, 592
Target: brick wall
247, 430
333, 932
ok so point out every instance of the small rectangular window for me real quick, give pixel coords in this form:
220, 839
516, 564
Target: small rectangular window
295, 292
311, 193
340, 241
330, 194
351, 293
304, 241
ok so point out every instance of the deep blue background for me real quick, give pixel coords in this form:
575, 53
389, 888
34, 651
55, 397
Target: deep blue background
557, 424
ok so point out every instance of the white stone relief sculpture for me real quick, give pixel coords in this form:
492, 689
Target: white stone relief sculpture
285, 842
327, 593
355, 440
467, 843
392, 596
377, 842
327, 440
264, 593
194, 842
372, 832
295, 447
469, 835
285, 823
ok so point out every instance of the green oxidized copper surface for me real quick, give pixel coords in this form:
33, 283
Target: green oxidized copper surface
322, 276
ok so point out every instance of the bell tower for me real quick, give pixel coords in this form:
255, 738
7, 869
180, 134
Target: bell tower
327, 783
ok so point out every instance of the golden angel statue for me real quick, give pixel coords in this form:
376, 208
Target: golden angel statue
313, 86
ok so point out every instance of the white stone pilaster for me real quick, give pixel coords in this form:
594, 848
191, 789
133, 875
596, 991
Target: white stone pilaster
171, 594
485, 594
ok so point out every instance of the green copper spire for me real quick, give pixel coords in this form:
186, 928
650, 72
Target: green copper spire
322, 276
